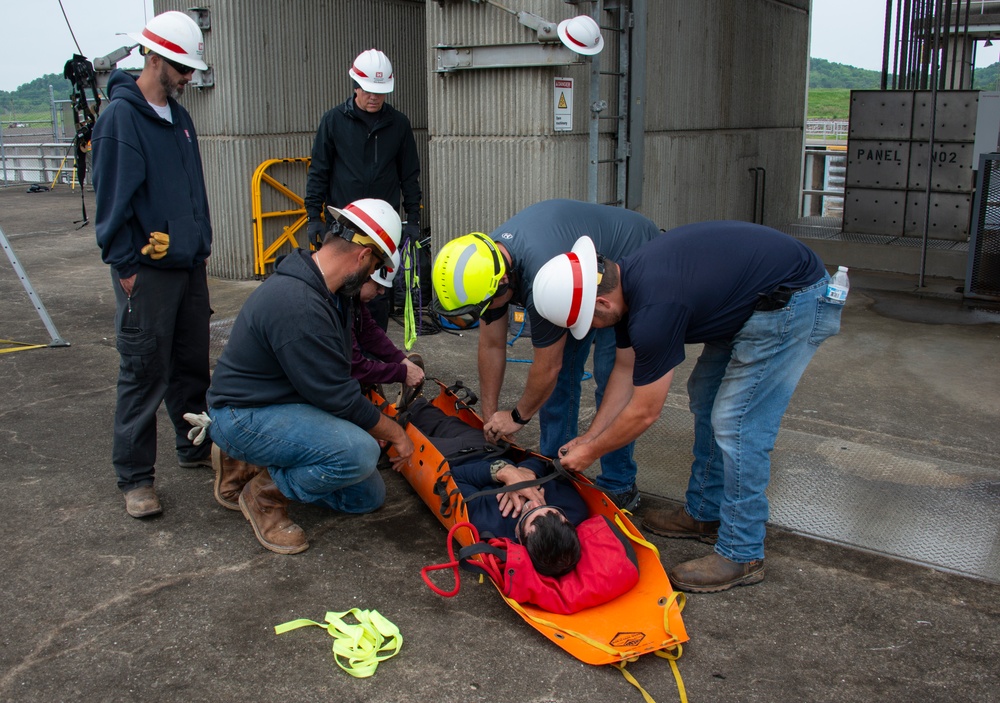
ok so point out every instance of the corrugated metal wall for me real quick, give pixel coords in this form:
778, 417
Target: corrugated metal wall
726, 92
278, 67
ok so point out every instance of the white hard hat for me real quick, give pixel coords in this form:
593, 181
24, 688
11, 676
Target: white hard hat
565, 288
174, 35
385, 276
373, 72
372, 221
581, 34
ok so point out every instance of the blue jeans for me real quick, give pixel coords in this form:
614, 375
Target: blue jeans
312, 456
559, 415
739, 390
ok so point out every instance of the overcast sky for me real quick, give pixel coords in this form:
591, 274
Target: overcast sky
35, 39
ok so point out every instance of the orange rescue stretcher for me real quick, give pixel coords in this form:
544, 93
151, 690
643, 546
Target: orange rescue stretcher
646, 619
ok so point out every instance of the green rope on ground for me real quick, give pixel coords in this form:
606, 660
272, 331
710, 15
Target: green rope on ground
357, 647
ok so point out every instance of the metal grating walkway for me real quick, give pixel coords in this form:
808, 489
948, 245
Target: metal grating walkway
923, 510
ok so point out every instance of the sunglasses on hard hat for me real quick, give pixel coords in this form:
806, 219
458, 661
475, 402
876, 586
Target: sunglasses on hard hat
347, 231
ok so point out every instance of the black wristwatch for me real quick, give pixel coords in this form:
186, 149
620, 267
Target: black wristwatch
495, 468
516, 417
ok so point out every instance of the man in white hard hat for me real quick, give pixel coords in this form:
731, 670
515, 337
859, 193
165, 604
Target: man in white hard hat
289, 421
154, 232
488, 274
364, 148
756, 298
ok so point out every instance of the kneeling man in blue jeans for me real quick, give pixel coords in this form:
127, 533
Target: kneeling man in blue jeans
289, 420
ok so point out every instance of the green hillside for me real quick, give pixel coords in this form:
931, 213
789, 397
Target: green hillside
31, 100
826, 74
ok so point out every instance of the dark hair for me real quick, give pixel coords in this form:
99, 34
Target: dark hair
609, 281
552, 545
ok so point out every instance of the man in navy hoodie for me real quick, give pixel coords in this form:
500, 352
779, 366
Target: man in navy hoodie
283, 403
154, 232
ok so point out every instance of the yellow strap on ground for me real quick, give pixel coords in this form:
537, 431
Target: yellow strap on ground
357, 647
21, 346
673, 666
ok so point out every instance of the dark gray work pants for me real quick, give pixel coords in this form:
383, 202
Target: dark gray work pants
162, 337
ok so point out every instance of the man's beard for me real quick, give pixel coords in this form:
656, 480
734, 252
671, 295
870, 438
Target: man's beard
353, 283
173, 90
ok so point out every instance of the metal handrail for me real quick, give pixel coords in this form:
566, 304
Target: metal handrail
264, 255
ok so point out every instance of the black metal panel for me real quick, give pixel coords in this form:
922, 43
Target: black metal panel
982, 279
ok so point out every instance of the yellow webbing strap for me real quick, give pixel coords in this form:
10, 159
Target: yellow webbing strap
21, 346
357, 648
634, 538
409, 323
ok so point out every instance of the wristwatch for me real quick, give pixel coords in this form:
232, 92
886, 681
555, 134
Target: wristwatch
495, 469
516, 417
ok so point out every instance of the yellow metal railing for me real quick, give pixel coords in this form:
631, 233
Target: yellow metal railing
265, 254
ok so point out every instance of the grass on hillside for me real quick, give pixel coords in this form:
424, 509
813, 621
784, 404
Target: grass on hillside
829, 104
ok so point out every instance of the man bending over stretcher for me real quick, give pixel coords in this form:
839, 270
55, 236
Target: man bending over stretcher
542, 518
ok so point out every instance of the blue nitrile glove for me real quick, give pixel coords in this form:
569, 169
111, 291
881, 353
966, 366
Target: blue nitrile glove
315, 231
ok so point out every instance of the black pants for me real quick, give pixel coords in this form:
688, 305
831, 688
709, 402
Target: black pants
163, 342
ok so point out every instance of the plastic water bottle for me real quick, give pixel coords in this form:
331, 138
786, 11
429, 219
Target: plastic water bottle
836, 291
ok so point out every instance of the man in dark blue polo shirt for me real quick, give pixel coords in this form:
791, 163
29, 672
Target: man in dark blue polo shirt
756, 299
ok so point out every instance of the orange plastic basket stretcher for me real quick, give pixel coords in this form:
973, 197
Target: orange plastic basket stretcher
644, 620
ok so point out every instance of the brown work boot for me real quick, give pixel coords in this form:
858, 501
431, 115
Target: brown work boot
675, 522
142, 502
230, 477
267, 510
715, 573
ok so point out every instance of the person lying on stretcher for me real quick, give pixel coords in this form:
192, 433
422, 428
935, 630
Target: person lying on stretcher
541, 518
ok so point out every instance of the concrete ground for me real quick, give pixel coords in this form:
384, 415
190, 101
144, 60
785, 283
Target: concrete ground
97, 606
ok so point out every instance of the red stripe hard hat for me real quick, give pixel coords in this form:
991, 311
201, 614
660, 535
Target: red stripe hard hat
564, 291
174, 35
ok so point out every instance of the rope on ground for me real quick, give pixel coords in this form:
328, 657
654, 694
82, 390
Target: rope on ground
357, 647
19, 346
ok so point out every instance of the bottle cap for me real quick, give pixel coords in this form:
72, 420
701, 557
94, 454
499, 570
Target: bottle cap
842, 268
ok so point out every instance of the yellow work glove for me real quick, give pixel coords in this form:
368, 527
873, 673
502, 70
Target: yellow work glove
159, 242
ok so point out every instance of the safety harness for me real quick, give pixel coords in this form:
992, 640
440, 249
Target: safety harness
80, 72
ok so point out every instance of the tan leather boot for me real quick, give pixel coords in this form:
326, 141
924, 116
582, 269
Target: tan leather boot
675, 522
230, 477
715, 573
267, 510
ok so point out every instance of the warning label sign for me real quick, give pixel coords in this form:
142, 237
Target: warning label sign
563, 104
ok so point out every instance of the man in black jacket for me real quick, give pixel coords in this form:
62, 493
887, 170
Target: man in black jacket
154, 232
364, 148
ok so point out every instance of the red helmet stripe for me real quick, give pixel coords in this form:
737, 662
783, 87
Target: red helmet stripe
573, 39
381, 233
359, 72
165, 43
577, 301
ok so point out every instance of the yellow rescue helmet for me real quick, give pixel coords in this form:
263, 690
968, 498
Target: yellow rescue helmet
467, 272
